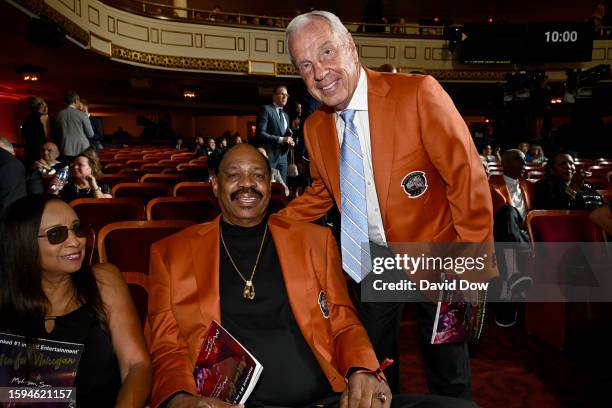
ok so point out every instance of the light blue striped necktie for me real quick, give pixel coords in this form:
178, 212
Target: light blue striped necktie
354, 221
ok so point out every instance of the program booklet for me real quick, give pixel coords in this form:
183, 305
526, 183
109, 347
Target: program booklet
225, 369
38, 371
458, 320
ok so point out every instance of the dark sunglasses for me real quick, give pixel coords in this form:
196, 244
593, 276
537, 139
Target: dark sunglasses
59, 234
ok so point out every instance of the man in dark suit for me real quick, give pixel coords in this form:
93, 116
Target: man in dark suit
96, 125
274, 130
12, 176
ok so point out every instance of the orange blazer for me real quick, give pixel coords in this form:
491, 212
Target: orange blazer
184, 299
501, 195
414, 127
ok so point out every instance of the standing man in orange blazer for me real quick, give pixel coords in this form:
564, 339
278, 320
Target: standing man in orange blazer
420, 178
276, 286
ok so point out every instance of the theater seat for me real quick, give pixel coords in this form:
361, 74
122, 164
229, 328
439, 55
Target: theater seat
127, 244
193, 189
556, 323
143, 191
113, 179
98, 212
196, 209
138, 285
171, 179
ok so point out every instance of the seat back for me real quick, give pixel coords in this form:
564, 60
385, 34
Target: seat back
196, 209
171, 179
143, 191
193, 189
113, 179
98, 212
562, 226
127, 244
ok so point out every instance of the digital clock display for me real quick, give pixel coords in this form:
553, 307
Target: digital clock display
559, 42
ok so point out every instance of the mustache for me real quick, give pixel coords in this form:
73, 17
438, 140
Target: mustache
246, 190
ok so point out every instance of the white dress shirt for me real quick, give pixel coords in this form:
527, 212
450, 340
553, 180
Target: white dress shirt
359, 102
516, 193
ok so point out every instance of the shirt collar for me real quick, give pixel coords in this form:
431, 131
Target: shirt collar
510, 181
359, 101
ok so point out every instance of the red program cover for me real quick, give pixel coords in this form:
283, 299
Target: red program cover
225, 369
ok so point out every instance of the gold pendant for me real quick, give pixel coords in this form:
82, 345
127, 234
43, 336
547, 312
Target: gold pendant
249, 291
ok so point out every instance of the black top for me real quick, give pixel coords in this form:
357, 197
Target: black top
72, 192
266, 325
98, 378
550, 194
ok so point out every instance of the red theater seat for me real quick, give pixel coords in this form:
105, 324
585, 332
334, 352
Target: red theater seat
193, 189
196, 209
98, 212
143, 191
171, 178
113, 179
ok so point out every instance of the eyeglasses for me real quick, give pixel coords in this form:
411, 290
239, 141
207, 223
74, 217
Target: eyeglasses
59, 234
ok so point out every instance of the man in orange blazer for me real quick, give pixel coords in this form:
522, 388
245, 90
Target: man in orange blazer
296, 317
424, 181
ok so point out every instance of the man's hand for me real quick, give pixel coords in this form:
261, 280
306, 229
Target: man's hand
189, 401
362, 391
288, 140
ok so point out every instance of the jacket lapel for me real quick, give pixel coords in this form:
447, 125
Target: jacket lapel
274, 113
381, 113
205, 251
329, 149
300, 283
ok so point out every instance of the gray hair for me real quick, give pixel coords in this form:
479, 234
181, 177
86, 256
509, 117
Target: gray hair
298, 22
6, 145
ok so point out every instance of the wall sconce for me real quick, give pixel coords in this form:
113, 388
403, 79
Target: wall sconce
31, 73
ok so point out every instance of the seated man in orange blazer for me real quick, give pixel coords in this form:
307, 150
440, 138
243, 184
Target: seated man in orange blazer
511, 198
276, 286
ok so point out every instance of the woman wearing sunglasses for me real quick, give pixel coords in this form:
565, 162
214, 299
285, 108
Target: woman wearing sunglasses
83, 182
48, 292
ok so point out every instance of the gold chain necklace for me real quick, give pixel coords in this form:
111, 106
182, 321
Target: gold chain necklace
249, 289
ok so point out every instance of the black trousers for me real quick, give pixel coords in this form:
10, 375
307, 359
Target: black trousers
447, 366
398, 401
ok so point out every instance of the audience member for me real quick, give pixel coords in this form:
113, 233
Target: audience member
35, 129
44, 169
536, 155
274, 131
311, 350
179, 144
96, 125
563, 188
388, 68
275, 176
524, 147
49, 292
74, 127
223, 144
84, 183
487, 155
211, 147
12, 175
237, 139
511, 202
200, 147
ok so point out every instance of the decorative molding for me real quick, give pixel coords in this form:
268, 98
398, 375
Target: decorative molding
609, 54
78, 7
374, 51
599, 54
262, 67
111, 24
133, 31
100, 45
468, 75
392, 53
198, 40
410, 52
155, 35
188, 63
69, 4
241, 43
220, 42
261, 44
286, 69
441, 54
176, 38
280, 46
427, 53
72, 29
93, 15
